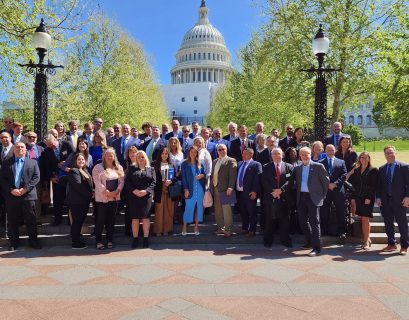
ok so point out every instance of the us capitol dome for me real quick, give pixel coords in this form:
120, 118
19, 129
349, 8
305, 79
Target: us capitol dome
203, 63
203, 55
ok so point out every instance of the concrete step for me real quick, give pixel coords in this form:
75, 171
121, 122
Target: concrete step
379, 227
377, 217
381, 238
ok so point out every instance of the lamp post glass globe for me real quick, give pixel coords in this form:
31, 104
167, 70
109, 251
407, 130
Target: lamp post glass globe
320, 44
41, 38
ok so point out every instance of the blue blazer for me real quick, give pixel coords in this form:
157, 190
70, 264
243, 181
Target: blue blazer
188, 178
251, 177
400, 183
339, 172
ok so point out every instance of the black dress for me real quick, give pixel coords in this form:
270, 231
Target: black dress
349, 158
365, 188
136, 178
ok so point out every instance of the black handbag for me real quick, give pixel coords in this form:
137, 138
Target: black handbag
348, 185
175, 190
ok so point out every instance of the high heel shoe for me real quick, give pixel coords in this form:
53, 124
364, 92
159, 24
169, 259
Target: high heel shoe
145, 242
366, 246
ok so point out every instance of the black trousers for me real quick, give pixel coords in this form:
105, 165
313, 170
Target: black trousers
392, 211
277, 217
105, 218
338, 199
20, 211
59, 193
247, 209
309, 217
78, 214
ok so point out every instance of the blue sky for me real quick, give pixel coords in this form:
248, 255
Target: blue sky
159, 25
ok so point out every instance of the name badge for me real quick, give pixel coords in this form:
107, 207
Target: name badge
288, 175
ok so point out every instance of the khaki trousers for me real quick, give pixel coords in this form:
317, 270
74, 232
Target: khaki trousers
164, 212
224, 217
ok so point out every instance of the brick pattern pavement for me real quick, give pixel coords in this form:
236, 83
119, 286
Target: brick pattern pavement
203, 282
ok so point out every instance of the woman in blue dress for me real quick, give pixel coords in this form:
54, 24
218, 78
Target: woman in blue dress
193, 181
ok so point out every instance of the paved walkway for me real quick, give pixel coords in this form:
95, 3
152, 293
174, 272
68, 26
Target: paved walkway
203, 282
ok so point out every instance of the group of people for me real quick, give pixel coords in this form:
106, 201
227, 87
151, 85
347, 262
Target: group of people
310, 186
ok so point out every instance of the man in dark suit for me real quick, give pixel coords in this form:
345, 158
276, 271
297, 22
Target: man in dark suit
124, 143
337, 172
312, 183
154, 145
8, 125
335, 136
147, 131
239, 144
19, 177
73, 134
222, 182
393, 198
195, 130
175, 130
247, 186
209, 145
284, 143
185, 140
6, 152
277, 210
264, 156
232, 127
53, 160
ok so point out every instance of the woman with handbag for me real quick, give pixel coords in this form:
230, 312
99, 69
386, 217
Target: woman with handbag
140, 181
79, 196
364, 180
108, 177
193, 181
164, 205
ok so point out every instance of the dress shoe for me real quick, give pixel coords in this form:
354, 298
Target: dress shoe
342, 238
250, 234
12, 248
314, 253
145, 243
79, 245
403, 251
135, 243
306, 246
35, 244
219, 231
390, 248
227, 234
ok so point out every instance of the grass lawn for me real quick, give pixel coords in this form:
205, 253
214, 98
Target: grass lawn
378, 158
370, 146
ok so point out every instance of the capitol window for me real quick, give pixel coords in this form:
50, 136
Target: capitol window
194, 111
183, 99
368, 120
360, 120
351, 120
195, 98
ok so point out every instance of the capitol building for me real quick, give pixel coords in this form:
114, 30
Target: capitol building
203, 63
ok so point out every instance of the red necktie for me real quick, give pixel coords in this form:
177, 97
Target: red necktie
242, 146
278, 175
32, 153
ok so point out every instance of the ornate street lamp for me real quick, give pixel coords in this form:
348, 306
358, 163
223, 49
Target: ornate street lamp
320, 46
41, 42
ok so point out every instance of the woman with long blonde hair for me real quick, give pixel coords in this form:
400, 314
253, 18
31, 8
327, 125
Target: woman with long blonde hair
108, 178
364, 179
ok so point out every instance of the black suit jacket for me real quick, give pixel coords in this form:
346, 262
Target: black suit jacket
227, 137
117, 145
160, 144
9, 154
269, 179
400, 183
331, 139
49, 161
251, 178
263, 157
235, 148
79, 189
30, 177
284, 144
338, 175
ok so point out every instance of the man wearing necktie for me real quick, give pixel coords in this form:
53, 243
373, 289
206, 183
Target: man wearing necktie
247, 186
20, 175
393, 198
238, 145
277, 209
335, 198
336, 135
154, 145
6, 152
122, 144
185, 140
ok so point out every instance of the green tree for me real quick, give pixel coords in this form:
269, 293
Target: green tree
270, 86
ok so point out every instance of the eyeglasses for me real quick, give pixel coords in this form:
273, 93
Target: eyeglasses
100, 122
8, 122
221, 149
31, 137
185, 131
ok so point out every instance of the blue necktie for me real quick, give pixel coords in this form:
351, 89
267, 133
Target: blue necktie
336, 137
330, 166
19, 167
389, 179
241, 176
123, 146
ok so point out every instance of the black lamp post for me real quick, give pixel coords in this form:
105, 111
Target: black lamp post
320, 45
41, 42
